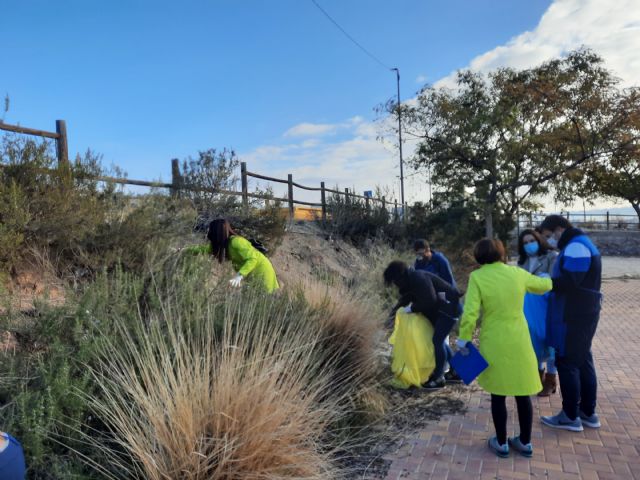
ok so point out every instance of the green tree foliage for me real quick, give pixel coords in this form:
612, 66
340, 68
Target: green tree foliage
618, 175
512, 136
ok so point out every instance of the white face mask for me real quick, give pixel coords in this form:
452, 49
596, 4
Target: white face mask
553, 242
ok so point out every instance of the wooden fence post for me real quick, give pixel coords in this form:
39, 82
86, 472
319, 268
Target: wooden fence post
346, 196
384, 204
607, 219
62, 147
323, 200
291, 210
395, 210
245, 184
176, 178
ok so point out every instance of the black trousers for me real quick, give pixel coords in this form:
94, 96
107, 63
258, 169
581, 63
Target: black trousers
499, 414
578, 384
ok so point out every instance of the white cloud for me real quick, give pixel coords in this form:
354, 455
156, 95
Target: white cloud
421, 79
310, 130
612, 29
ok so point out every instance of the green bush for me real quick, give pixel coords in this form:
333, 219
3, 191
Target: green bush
360, 221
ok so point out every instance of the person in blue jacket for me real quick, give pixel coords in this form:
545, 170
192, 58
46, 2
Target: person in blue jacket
12, 466
572, 320
433, 262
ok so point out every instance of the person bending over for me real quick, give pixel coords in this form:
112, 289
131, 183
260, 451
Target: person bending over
425, 293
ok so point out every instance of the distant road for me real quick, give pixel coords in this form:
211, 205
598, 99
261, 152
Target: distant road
616, 267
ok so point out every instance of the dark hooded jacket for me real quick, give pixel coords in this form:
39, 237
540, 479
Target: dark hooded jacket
575, 303
420, 289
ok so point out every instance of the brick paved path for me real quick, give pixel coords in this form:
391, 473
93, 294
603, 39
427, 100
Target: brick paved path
455, 448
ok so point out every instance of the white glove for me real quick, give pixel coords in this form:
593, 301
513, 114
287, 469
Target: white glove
462, 346
407, 309
235, 281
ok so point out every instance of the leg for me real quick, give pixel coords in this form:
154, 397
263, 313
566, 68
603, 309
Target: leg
569, 386
525, 418
588, 386
499, 414
441, 329
551, 362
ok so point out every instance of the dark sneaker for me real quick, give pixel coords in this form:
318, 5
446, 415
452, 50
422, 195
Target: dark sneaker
436, 384
526, 450
452, 377
592, 422
563, 422
500, 450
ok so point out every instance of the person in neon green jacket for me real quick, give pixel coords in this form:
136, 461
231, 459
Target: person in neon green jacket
497, 290
226, 244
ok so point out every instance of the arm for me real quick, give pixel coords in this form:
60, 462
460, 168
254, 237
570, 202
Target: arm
444, 269
249, 255
472, 303
576, 262
535, 284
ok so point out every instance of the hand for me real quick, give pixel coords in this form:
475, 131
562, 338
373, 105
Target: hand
462, 347
235, 281
407, 309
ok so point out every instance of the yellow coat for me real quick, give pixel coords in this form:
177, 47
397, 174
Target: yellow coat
498, 291
247, 261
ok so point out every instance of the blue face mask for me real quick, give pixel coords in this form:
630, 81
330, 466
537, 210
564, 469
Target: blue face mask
531, 248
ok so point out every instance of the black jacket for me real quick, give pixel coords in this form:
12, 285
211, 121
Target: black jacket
420, 289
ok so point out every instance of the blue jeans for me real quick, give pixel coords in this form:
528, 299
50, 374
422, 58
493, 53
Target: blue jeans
549, 357
442, 351
12, 465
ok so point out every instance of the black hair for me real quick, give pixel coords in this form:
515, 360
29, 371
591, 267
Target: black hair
489, 250
542, 242
554, 221
219, 233
394, 272
421, 244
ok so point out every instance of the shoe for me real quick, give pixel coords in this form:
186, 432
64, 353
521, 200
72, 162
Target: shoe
436, 384
563, 422
526, 450
452, 377
550, 385
500, 450
592, 422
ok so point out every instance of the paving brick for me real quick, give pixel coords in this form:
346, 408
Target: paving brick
455, 447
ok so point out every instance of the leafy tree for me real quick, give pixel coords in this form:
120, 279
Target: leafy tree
512, 136
618, 175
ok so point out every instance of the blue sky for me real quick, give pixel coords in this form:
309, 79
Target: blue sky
144, 81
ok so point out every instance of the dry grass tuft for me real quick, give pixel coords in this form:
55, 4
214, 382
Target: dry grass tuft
185, 403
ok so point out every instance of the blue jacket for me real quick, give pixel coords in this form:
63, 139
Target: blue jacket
574, 307
439, 266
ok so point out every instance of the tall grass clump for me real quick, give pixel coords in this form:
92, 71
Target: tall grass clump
246, 391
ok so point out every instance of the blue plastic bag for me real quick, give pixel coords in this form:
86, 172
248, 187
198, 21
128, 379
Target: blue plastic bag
535, 311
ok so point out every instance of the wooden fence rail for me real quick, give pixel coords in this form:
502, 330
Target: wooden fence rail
177, 182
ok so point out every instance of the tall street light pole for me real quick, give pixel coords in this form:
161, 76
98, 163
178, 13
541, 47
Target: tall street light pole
400, 141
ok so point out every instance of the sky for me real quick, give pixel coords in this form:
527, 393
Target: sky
143, 81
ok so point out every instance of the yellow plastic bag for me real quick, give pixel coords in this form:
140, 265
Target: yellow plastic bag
412, 360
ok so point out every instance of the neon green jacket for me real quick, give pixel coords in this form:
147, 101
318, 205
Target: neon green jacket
498, 291
247, 261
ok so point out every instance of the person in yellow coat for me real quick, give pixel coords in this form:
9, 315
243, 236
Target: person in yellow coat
247, 261
496, 291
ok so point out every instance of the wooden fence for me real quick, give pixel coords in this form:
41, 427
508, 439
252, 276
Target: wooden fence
178, 184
